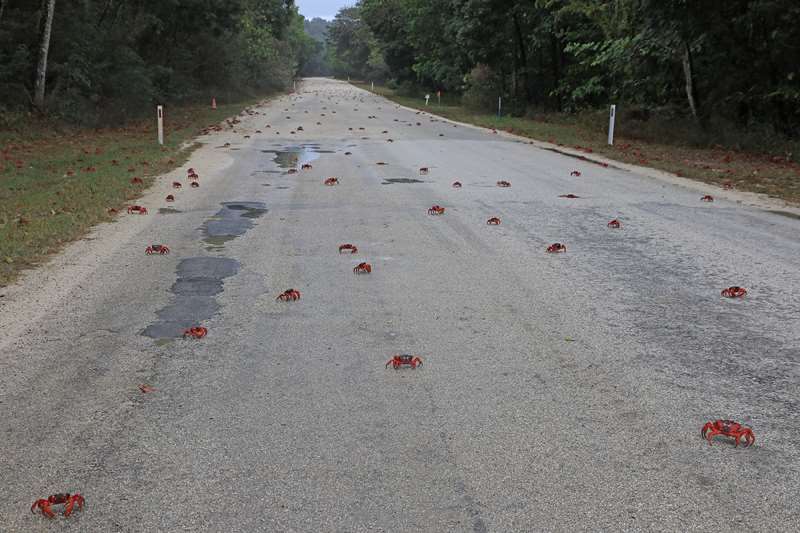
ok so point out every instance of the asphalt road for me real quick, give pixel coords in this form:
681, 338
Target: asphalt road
559, 392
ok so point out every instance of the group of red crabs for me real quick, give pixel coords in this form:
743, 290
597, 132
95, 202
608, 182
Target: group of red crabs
727, 428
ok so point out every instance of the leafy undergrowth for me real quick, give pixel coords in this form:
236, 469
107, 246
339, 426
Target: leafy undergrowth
54, 186
776, 176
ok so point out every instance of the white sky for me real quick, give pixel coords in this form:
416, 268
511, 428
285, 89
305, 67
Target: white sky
326, 9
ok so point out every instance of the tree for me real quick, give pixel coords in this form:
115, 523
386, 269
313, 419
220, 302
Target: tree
46, 14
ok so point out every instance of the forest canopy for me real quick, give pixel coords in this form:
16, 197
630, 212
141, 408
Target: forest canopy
112, 59
716, 61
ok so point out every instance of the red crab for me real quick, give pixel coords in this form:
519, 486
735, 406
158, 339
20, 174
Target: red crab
734, 292
727, 185
170, 198
137, 181
195, 185
576, 173
503, 183
196, 332
348, 247
176, 185
68, 500
306, 166
161, 249
494, 221
456, 184
289, 294
707, 198
436, 210
362, 268
331, 181
556, 247
292, 171
615, 224
404, 360
146, 388
423, 170
137, 209
570, 196
728, 428
380, 163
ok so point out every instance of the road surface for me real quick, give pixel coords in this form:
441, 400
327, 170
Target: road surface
559, 392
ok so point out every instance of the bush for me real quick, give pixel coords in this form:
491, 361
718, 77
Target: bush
483, 88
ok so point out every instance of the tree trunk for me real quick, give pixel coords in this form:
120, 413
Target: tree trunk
48, 8
691, 88
523, 58
2, 8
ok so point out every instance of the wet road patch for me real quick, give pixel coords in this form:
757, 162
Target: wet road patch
200, 280
233, 220
293, 156
390, 181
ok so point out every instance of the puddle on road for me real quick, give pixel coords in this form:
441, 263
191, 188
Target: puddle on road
233, 220
294, 156
390, 181
200, 279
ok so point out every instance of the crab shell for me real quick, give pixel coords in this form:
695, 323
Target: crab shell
494, 221
556, 247
157, 249
734, 292
362, 268
197, 332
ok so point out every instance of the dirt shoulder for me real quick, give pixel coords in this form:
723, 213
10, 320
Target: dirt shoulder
55, 186
766, 181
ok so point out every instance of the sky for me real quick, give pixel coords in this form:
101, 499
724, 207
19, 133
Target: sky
326, 9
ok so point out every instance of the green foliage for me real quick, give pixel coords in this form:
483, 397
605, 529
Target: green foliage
111, 60
569, 55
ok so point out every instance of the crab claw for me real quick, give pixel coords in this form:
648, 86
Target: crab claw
44, 505
73, 500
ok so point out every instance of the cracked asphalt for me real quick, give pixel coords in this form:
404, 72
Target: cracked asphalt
559, 392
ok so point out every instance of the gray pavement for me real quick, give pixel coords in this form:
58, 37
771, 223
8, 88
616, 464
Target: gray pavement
559, 392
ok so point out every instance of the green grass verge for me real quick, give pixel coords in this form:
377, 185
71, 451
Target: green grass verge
644, 144
56, 185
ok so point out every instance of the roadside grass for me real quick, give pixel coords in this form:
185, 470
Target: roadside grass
775, 175
56, 185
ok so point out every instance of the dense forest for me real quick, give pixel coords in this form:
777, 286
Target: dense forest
317, 65
720, 63
102, 61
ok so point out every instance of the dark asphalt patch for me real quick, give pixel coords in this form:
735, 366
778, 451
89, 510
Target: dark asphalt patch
233, 220
200, 279
168, 211
390, 181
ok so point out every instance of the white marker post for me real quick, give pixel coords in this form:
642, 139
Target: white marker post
427, 99
160, 114
372, 84
611, 120
499, 105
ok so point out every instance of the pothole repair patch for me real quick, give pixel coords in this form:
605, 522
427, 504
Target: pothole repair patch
200, 280
233, 220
